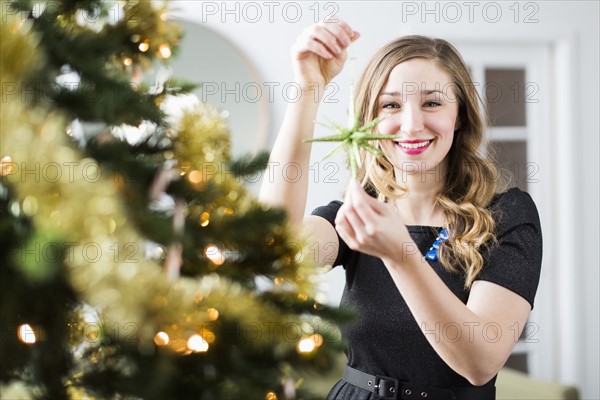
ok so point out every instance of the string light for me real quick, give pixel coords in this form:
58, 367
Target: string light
15, 208
184, 168
6, 166
271, 396
213, 314
302, 296
204, 219
144, 46
26, 334
306, 345
197, 344
128, 61
195, 177
30, 206
214, 254
164, 51
161, 339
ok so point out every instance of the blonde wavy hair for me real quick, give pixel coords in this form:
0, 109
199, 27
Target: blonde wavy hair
470, 177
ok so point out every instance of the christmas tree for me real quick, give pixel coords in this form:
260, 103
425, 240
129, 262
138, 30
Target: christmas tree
137, 268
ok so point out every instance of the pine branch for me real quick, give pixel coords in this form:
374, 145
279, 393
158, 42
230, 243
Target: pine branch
249, 164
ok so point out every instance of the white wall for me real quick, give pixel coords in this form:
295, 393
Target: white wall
264, 32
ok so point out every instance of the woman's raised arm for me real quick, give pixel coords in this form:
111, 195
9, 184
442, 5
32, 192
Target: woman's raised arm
318, 55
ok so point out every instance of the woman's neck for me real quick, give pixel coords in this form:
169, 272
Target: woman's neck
418, 206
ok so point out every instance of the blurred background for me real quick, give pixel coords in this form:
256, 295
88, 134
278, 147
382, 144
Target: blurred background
536, 67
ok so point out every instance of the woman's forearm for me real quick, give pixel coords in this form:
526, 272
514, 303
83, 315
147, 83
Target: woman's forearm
474, 345
291, 154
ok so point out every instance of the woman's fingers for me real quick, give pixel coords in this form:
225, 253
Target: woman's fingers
339, 30
356, 213
326, 39
345, 230
329, 38
348, 212
314, 46
351, 35
319, 53
367, 225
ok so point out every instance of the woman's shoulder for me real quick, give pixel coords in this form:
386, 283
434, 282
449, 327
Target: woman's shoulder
328, 211
512, 197
514, 207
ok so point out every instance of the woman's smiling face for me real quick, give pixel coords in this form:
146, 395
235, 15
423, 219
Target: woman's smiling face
418, 103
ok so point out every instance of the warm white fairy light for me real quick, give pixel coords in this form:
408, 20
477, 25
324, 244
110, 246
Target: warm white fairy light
213, 253
195, 177
6, 166
213, 314
197, 344
204, 218
161, 339
144, 46
306, 345
164, 50
26, 334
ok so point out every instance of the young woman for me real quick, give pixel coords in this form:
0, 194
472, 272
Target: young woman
442, 270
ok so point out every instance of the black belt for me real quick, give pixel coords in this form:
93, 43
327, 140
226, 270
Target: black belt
389, 388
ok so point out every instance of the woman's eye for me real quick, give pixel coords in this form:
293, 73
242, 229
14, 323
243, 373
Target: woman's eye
390, 106
432, 104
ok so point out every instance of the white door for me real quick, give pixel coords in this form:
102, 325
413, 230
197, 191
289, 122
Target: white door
513, 82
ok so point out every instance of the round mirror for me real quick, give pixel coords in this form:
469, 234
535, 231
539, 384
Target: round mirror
227, 81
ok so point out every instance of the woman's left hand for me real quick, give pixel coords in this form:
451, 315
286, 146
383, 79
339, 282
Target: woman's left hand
370, 226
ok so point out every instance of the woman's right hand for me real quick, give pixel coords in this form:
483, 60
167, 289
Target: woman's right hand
320, 52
